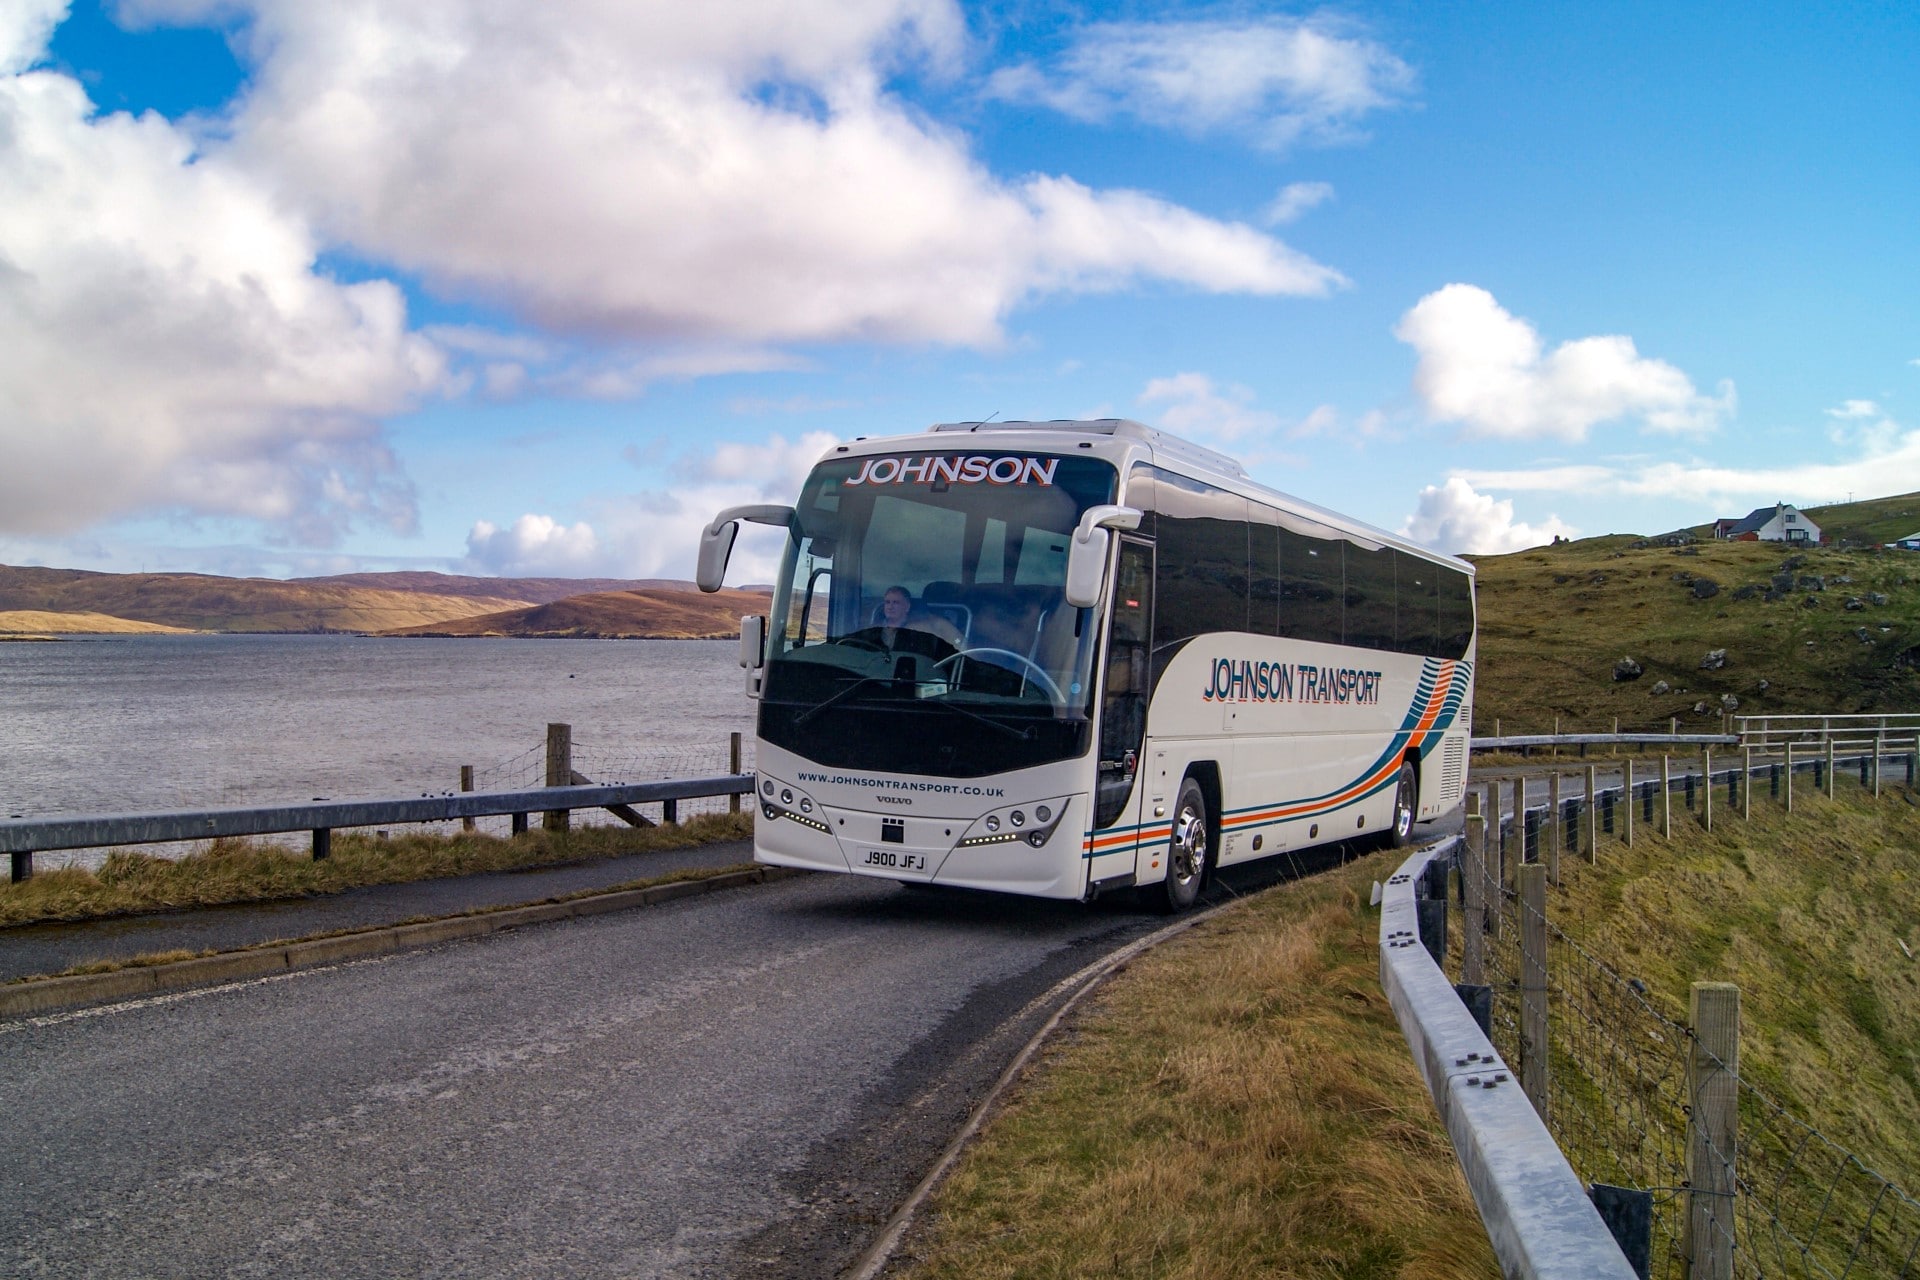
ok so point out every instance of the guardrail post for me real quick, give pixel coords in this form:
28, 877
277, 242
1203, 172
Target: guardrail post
1666, 797
1556, 827
1474, 889
1706, 778
733, 767
22, 866
1713, 1082
1533, 987
323, 843
1912, 752
1628, 1214
559, 771
466, 784
1593, 814
1530, 839
669, 812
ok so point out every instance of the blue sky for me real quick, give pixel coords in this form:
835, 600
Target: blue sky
508, 288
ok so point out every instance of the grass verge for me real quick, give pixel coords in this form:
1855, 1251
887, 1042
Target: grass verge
232, 871
1238, 1102
1815, 915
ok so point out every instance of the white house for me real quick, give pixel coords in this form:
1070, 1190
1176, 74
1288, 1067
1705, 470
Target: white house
1781, 522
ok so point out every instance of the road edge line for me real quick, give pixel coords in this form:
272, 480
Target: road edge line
45, 995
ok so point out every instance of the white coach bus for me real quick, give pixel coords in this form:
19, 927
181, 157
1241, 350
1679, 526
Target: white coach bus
1066, 658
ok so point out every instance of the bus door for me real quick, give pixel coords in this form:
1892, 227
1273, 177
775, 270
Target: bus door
1123, 716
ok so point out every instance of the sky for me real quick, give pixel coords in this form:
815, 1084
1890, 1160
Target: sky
496, 287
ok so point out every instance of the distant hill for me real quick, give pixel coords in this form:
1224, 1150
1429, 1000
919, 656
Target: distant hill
671, 613
204, 602
530, 590
15, 622
1554, 622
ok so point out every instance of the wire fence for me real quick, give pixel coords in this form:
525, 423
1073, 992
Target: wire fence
1727, 1180
613, 759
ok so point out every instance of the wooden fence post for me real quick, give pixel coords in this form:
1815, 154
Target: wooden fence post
1519, 858
1879, 746
1746, 783
1495, 857
733, 766
1829, 768
1474, 890
1556, 827
466, 784
1788, 782
1666, 797
1593, 814
1706, 799
1713, 1084
559, 771
1533, 986
1626, 794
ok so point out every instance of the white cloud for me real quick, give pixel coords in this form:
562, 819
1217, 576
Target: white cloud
1452, 517
657, 170
1486, 369
1886, 460
533, 546
1193, 406
166, 343
1294, 200
1279, 79
777, 466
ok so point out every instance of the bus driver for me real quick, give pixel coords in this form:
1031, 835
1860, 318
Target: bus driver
905, 628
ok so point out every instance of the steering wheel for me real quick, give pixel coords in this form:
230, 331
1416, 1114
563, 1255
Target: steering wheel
854, 640
1040, 676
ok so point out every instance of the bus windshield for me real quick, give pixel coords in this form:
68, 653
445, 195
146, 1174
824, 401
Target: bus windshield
919, 623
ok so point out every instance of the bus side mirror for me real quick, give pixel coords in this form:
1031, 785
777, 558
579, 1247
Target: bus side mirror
1087, 554
753, 650
753, 641
716, 540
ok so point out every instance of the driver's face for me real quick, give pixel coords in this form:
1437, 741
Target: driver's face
893, 607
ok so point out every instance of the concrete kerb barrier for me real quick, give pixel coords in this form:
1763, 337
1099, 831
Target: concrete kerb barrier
1537, 1214
43, 995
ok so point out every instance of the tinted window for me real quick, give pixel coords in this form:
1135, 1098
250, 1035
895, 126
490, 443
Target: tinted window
1416, 602
1263, 572
1312, 585
1370, 597
1201, 573
1456, 613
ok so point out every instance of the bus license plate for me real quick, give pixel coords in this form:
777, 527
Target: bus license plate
894, 860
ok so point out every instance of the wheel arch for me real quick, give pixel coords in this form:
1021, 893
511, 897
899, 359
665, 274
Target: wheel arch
1207, 774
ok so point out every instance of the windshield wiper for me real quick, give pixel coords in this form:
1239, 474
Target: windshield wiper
840, 697
1019, 735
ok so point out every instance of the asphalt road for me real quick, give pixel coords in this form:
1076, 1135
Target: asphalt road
744, 1084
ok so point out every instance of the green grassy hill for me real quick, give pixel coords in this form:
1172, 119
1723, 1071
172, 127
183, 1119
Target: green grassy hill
1804, 630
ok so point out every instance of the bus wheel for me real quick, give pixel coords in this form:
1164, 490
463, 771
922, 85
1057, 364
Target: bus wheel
1186, 852
1405, 794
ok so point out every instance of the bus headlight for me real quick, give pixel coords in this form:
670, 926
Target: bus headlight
1005, 826
793, 808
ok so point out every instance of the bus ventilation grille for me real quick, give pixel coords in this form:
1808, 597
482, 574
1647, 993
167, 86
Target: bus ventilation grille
1453, 769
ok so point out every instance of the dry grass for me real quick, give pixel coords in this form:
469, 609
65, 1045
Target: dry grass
230, 871
1240, 1102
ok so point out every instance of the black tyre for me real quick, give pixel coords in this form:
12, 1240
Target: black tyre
1406, 799
1187, 852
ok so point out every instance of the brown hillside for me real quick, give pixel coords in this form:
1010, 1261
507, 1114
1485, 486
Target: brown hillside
654, 614
202, 602
528, 590
40, 622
